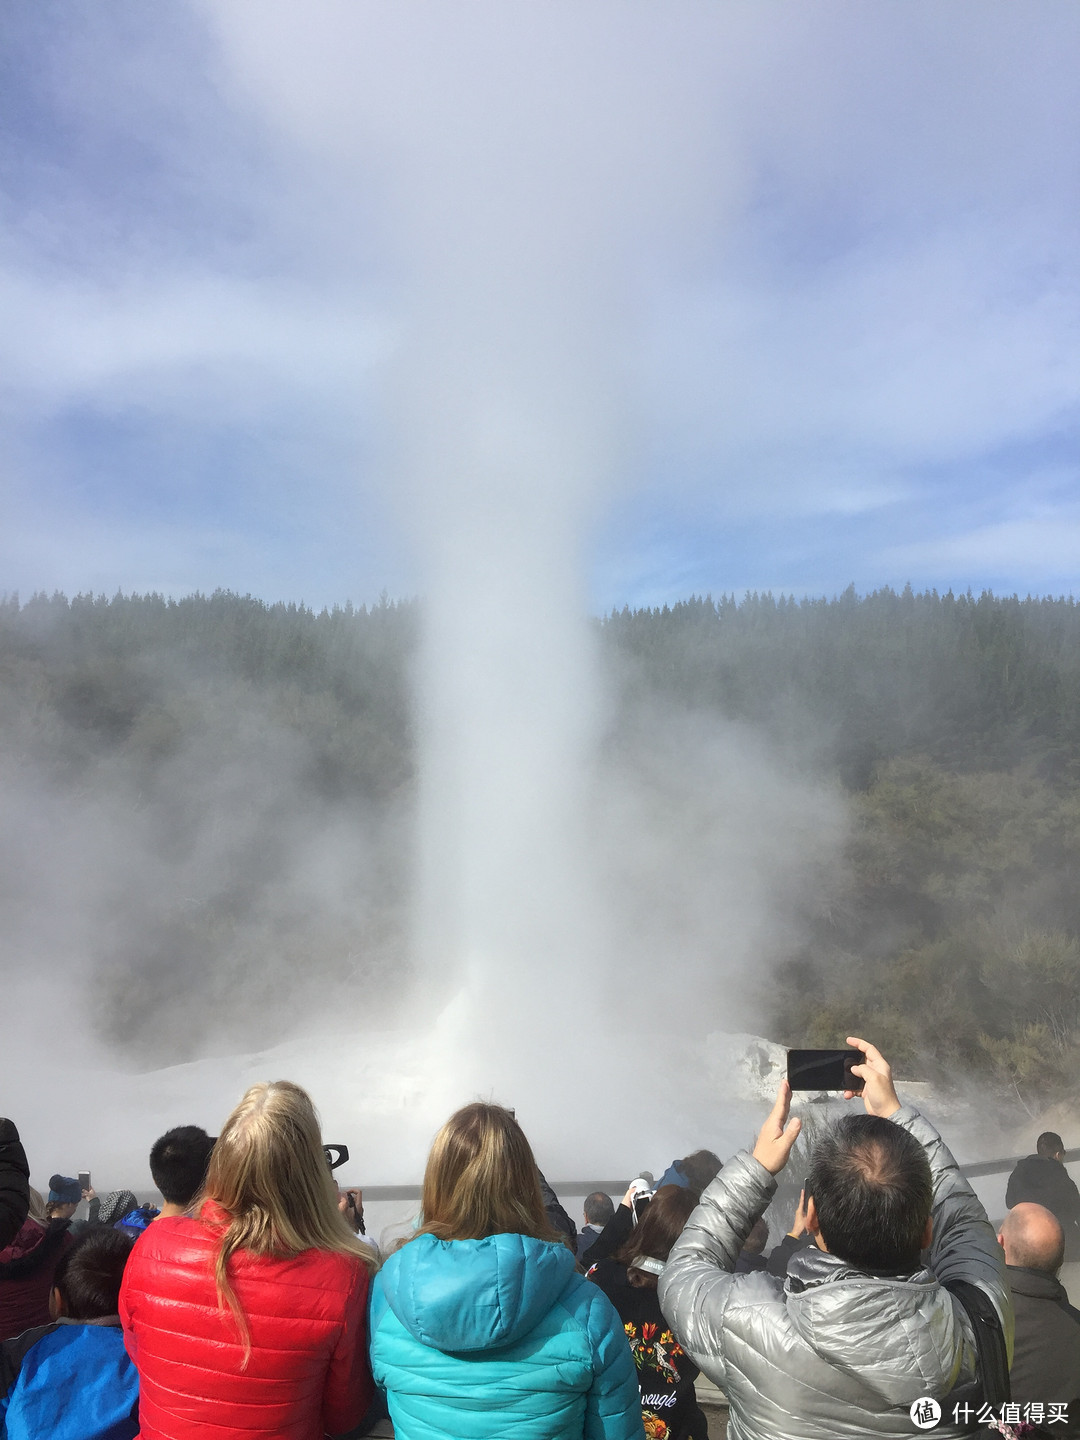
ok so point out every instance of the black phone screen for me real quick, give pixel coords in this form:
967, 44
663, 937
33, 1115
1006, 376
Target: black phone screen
824, 1069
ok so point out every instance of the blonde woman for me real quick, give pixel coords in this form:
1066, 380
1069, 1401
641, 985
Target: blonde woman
247, 1320
482, 1326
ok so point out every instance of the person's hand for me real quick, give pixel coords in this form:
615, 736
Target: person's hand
878, 1094
90, 1194
778, 1134
799, 1226
351, 1205
638, 1186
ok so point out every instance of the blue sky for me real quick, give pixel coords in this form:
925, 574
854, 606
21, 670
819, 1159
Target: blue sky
842, 286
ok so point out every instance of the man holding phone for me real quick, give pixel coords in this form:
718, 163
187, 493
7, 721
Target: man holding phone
861, 1330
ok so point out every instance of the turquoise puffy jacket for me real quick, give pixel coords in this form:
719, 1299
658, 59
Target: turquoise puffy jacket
483, 1339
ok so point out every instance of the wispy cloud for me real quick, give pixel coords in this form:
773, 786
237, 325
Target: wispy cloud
836, 308
1048, 547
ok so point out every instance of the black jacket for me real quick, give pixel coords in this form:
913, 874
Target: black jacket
587, 1236
1046, 1353
665, 1373
1042, 1180
781, 1253
14, 1183
610, 1238
557, 1216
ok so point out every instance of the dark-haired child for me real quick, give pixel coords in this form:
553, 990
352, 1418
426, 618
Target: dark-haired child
72, 1379
178, 1164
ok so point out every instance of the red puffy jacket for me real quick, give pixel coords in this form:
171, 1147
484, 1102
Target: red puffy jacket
308, 1371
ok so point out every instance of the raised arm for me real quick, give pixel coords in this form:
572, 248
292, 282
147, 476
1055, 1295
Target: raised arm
698, 1279
612, 1236
964, 1245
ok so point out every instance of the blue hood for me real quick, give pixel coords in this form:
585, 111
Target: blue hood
462, 1295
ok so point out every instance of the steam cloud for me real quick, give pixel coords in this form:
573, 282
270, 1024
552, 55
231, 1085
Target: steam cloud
528, 157
587, 883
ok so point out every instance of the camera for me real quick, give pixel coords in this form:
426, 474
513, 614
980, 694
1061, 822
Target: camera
642, 1193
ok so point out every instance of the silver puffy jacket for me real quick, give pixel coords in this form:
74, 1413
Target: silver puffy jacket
831, 1351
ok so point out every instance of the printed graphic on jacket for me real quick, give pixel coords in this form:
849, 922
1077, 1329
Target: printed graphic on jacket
665, 1373
655, 1352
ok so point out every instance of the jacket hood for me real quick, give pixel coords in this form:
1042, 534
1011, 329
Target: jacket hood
465, 1295
899, 1335
33, 1246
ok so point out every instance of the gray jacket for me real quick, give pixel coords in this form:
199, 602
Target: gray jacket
831, 1351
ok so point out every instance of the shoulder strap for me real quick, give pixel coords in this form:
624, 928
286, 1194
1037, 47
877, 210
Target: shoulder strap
991, 1356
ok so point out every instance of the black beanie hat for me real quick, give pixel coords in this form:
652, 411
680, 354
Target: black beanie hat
63, 1190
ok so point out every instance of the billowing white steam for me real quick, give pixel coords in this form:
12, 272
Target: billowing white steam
574, 906
585, 908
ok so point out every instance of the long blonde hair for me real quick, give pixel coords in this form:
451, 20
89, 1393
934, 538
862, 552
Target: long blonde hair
268, 1172
481, 1179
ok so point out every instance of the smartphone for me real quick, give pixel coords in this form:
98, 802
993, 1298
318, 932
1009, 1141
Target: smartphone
84, 1179
355, 1203
824, 1070
641, 1204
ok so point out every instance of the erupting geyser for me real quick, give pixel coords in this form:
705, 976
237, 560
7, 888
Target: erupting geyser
581, 912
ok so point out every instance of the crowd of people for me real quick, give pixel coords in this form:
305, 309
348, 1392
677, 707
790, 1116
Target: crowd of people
249, 1305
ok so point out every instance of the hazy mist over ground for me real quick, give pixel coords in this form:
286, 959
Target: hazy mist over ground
182, 839
209, 848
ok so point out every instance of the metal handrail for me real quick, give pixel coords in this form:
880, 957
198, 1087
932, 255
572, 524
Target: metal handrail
616, 1187
561, 1187
998, 1167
